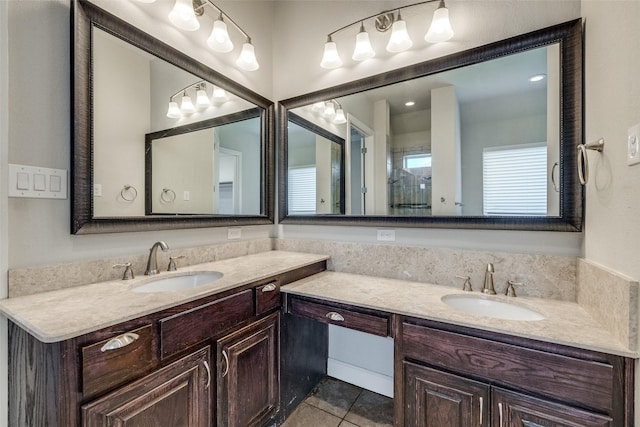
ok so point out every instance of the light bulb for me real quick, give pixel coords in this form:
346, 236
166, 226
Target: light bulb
330, 59
219, 94
186, 106
399, 40
340, 117
440, 29
329, 110
247, 60
202, 99
363, 49
183, 16
174, 110
219, 39
318, 106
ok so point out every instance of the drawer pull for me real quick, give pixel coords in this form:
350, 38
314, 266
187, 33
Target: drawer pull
120, 341
336, 317
269, 288
500, 411
481, 408
206, 366
226, 363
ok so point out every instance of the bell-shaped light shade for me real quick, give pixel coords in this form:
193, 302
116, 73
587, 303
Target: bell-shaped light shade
363, 49
330, 59
340, 117
247, 60
399, 40
329, 110
219, 95
183, 16
318, 106
440, 29
146, 1
219, 39
174, 110
202, 99
186, 106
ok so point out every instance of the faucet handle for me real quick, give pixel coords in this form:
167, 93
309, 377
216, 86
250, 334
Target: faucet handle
466, 286
172, 262
128, 272
511, 290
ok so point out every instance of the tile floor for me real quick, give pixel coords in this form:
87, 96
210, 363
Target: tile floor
334, 403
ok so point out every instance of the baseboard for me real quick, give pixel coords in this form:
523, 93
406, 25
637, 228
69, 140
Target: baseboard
373, 381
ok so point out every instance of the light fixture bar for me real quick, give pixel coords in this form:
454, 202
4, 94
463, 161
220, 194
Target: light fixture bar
228, 18
198, 83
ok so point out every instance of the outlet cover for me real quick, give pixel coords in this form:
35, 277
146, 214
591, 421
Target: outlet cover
633, 145
234, 233
386, 235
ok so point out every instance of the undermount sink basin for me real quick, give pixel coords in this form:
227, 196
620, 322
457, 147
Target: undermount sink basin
485, 306
178, 282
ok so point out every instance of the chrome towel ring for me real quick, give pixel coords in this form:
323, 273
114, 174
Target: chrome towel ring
168, 195
583, 159
128, 193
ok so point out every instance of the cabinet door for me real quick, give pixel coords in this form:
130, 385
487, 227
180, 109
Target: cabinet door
517, 410
437, 399
177, 395
248, 376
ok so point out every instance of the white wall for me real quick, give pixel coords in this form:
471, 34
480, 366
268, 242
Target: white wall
4, 244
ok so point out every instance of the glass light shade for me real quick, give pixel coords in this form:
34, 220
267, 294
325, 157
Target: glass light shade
318, 106
440, 29
340, 117
146, 1
174, 110
363, 49
183, 16
247, 59
219, 95
399, 40
219, 39
202, 99
329, 110
330, 59
186, 106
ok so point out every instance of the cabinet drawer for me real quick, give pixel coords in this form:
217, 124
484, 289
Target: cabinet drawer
575, 381
267, 297
182, 330
340, 316
115, 361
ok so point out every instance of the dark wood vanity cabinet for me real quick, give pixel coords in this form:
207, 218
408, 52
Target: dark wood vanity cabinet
453, 376
210, 362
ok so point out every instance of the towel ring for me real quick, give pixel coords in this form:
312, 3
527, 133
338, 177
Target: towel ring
553, 177
130, 191
583, 159
168, 195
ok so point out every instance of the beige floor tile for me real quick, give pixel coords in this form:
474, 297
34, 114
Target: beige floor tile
333, 396
371, 410
308, 416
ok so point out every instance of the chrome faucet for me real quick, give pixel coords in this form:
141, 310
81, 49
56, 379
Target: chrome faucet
487, 286
152, 262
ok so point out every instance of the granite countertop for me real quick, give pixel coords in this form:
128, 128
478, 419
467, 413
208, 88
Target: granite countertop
71, 312
565, 323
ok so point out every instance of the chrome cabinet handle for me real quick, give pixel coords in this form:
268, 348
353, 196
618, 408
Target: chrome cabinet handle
206, 366
481, 409
226, 363
500, 412
119, 341
336, 317
269, 288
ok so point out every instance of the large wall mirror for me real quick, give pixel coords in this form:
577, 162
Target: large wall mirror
484, 138
144, 160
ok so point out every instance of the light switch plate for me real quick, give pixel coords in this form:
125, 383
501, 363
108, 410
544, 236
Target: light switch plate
37, 182
633, 145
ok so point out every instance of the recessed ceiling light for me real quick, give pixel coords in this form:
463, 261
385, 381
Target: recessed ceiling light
409, 103
537, 77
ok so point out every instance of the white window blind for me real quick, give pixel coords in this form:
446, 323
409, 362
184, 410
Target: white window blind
515, 180
302, 190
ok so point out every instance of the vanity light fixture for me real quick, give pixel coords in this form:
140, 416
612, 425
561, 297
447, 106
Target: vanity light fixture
439, 31
339, 118
203, 101
330, 110
184, 15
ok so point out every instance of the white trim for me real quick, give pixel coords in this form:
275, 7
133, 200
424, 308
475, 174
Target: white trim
369, 380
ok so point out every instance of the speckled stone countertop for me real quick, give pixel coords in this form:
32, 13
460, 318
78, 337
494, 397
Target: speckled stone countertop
564, 322
67, 313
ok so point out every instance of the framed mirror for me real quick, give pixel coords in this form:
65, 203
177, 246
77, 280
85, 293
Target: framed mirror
161, 141
485, 138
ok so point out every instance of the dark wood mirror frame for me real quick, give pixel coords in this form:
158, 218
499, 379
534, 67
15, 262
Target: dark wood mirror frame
84, 16
569, 36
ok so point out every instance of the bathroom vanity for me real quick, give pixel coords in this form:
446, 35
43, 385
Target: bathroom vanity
210, 358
